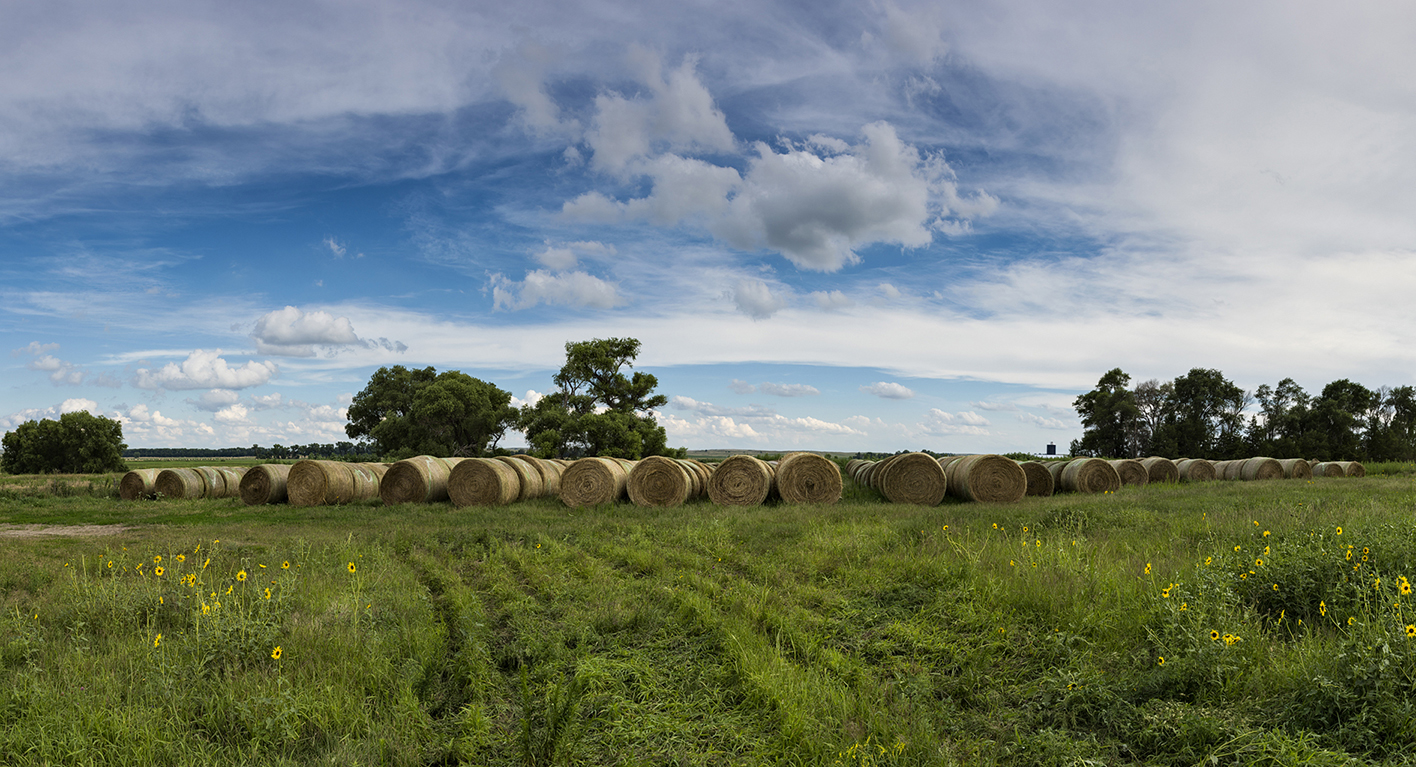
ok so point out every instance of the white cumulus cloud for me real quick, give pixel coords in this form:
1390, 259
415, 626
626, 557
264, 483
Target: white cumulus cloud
888, 390
938, 422
205, 370
1044, 423
565, 289
755, 299
290, 332
789, 390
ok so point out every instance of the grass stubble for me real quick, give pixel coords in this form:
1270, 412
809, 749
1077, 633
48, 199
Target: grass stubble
1218, 623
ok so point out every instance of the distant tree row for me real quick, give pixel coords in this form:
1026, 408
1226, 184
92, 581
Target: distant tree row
1204, 415
595, 409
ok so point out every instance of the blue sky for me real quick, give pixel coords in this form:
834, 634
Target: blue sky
853, 226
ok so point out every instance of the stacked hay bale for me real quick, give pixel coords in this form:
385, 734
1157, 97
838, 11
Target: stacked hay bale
905, 478
742, 480
265, 484
1161, 469
1089, 475
483, 482
986, 478
1195, 470
1040, 481
327, 483
420, 479
808, 478
138, 483
661, 481
1131, 471
595, 481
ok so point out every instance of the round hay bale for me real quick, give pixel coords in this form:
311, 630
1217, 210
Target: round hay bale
213, 481
659, 481
944, 461
1055, 468
1195, 470
483, 482
1040, 481
1161, 469
138, 483
319, 483
264, 484
593, 481
1295, 468
1131, 471
528, 474
912, 478
367, 477
741, 480
1353, 469
1329, 469
420, 479
183, 484
988, 479
231, 487
808, 478
1090, 475
550, 475
1260, 468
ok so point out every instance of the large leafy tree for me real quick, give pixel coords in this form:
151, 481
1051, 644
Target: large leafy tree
423, 412
1337, 421
77, 443
1206, 418
1109, 415
596, 408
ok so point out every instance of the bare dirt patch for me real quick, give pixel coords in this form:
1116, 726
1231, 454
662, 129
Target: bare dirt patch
72, 531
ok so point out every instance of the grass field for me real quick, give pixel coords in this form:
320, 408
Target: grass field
1221, 623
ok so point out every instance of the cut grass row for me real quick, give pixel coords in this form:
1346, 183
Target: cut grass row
863, 632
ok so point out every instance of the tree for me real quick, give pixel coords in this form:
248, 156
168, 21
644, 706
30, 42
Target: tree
1153, 401
421, 412
77, 443
596, 409
1108, 415
1206, 418
1336, 420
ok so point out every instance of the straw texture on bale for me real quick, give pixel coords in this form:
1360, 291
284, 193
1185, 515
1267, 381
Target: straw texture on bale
1195, 470
550, 474
213, 481
138, 483
1040, 481
1353, 469
1161, 469
1295, 468
808, 478
179, 483
593, 481
987, 478
1329, 469
1055, 468
910, 478
1131, 471
482, 482
660, 481
420, 479
329, 483
541, 476
1260, 468
528, 475
264, 484
742, 480
1090, 475
232, 476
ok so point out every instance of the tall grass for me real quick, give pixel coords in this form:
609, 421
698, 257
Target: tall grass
1223, 623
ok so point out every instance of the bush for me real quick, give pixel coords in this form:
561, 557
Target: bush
77, 443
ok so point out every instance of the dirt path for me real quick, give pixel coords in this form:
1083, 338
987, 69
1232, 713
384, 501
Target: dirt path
73, 531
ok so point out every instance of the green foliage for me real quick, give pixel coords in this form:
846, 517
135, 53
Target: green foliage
77, 443
596, 409
421, 412
1107, 414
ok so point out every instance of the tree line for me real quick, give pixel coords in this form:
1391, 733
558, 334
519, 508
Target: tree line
595, 409
1202, 414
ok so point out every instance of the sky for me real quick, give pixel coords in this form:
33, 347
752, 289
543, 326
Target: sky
846, 226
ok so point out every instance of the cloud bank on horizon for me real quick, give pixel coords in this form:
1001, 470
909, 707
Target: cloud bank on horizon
844, 227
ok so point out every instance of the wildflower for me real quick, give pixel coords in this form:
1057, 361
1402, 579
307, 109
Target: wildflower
1209, 560
1322, 609
1011, 563
275, 653
1184, 606
1352, 620
1259, 562
1214, 636
1236, 547
1165, 593
181, 558
1405, 587
157, 560
1160, 661
946, 528
241, 575
1025, 528
995, 525
267, 592
228, 590
1339, 530
110, 564
1266, 551
206, 608
1410, 630
1148, 568
1275, 587
157, 640
204, 564
1266, 533
261, 566
285, 565
351, 567
158, 571
1243, 576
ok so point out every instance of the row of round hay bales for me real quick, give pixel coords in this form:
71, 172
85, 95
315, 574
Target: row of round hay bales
1260, 468
919, 478
1338, 469
330, 483
1085, 475
505, 479
184, 483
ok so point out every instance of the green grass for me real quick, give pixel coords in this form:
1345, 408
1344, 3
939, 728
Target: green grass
862, 633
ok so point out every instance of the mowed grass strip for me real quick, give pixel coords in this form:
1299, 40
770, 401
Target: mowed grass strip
1155, 625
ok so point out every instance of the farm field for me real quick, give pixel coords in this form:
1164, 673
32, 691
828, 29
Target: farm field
1218, 623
